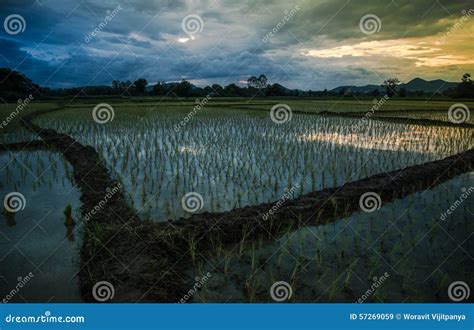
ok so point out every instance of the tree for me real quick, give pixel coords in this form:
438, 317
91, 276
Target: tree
466, 88
466, 79
218, 89
140, 86
125, 87
160, 88
252, 82
276, 90
232, 90
15, 85
116, 85
391, 85
183, 88
258, 83
262, 81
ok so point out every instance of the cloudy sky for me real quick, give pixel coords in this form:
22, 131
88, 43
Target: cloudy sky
307, 44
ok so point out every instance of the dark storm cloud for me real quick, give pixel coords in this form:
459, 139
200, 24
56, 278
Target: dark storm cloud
339, 19
145, 39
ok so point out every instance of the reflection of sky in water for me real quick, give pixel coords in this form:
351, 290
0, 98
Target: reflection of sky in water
18, 135
36, 239
413, 141
406, 238
236, 160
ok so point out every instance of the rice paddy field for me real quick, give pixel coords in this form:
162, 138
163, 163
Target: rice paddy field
229, 154
36, 240
404, 250
243, 155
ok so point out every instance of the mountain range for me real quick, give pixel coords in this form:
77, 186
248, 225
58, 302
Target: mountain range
413, 85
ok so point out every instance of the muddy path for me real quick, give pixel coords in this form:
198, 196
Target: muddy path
146, 261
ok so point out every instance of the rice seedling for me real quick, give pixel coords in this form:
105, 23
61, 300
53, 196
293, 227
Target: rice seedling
409, 254
34, 233
235, 159
212, 154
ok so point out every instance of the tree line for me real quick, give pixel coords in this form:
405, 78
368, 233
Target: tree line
465, 89
15, 85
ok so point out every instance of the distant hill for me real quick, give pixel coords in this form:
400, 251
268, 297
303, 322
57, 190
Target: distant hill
419, 84
416, 84
14, 85
358, 89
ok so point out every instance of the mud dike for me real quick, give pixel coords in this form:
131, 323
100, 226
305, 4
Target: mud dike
147, 261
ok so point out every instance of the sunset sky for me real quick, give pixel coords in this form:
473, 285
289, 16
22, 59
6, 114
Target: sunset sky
300, 44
